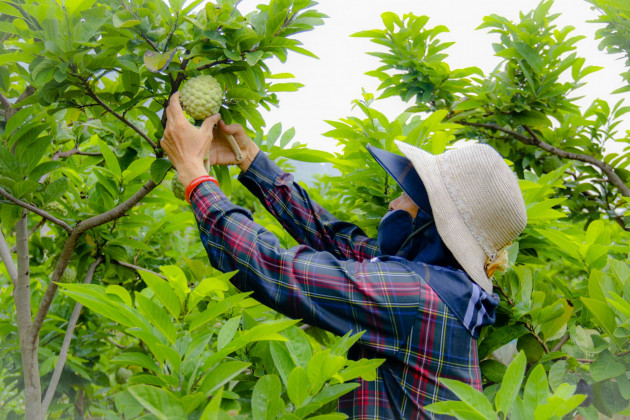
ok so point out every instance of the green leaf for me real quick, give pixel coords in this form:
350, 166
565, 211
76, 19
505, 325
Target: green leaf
511, 384
604, 316
607, 398
157, 62
298, 386
226, 334
530, 55
473, 398
137, 359
160, 402
212, 409
159, 168
18, 119
606, 366
157, 316
282, 360
136, 168
216, 309
266, 400
126, 403
93, 297
298, 345
192, 401
493, 370
163, 291
110, 159
220, 375
455, 408
364, 368
536, 389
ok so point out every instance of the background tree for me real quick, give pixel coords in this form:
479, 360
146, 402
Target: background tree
565, 299
85, 198
83, 87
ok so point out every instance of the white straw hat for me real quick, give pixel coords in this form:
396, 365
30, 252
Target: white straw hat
476, 202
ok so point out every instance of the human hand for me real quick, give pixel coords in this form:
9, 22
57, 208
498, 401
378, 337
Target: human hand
222, 154
186, 145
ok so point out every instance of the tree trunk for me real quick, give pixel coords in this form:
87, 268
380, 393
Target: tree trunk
28, 346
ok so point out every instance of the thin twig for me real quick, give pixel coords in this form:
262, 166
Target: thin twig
561, 343
71, 244
75, 151
5, 255
65, 346
6, 104
36, 210
94, 96
137, 268
534, 140
529, 327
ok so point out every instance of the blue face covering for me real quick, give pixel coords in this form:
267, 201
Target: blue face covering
397, 231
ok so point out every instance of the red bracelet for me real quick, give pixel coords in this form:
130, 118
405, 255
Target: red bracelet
196, 182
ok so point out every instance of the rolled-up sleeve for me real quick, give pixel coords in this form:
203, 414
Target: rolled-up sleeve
307, 222
319, 287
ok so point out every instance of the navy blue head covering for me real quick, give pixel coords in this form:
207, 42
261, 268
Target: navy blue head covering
401, 169
427, 246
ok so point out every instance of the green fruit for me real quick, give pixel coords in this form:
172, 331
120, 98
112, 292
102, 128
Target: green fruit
123, 375
178, 189
56, 207
201, 97
68, 276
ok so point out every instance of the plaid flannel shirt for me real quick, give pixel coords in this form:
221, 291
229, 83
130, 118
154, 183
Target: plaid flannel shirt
337, 280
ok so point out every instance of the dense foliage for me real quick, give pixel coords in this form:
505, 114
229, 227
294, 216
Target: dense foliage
85, 198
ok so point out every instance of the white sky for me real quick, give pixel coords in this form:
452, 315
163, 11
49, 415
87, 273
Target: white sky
333, 81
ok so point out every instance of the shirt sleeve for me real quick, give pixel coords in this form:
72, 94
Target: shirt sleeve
305, 220
339, 295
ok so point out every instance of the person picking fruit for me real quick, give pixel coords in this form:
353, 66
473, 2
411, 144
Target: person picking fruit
420, 291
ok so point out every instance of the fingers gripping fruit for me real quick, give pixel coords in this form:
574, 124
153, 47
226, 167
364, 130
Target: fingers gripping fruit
178, 188
201, 97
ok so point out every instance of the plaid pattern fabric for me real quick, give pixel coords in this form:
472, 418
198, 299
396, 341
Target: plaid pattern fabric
336, 280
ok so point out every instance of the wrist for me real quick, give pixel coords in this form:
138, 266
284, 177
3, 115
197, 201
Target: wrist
252, 151
187, 174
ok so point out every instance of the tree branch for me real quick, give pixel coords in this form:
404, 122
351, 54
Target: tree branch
93, 95
137, 268
31, 231
70, 246
534, 140
5, 255
65, 346
561, 343
6, 104
613, 178
36, 210
62, 155
22, 300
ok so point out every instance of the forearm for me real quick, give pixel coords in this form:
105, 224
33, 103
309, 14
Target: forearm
322, 290
303, 218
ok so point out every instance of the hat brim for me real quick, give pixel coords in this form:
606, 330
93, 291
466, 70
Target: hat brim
403, 172
450, 224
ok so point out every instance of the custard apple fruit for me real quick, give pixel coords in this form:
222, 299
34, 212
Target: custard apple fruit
68, 276
178, 189
123, 375
56, 207
201, 97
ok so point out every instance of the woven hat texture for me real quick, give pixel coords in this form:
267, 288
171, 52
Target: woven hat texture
476, 201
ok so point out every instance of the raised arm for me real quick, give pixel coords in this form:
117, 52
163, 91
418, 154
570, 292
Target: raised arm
378, 297
308, 222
